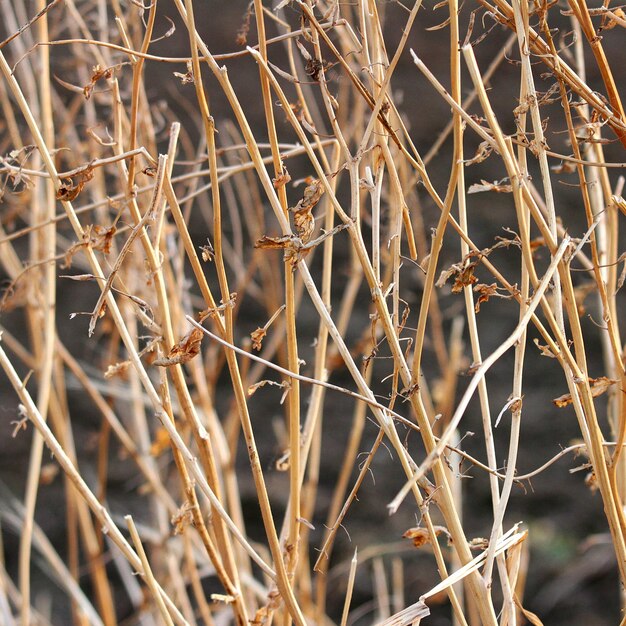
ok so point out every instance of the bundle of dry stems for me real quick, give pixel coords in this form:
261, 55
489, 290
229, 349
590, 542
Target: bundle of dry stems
87, 197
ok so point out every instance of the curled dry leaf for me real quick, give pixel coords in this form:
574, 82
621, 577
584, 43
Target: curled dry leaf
421, 536
262, 383
117, 369
598, 387
545, 350
565, 167
304, 221
482, 153
484, 293
187, 348
187, 77
464, 278
274, 243
282, 179
48, 473
207, 251
95, 237
68, 191
182, 518
487, 186
257, 337
97, 74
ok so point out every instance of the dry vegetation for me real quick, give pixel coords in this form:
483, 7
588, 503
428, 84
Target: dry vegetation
171, 232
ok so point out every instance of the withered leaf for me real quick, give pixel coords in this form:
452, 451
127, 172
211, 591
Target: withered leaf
487, 186
545, 350
565, 167
598, 387
186, 78
257, 337
117, 369
482, 153
282, 179
187, 348
484, 293
304, 221
96, 74
536, 243
274, 243
253, 388
78, 277
68, 191
312, 194
421, 536
464, 278
49, 472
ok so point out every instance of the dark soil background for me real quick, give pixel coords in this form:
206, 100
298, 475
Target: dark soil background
572, 575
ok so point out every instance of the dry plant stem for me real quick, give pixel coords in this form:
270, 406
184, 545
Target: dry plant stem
465, 104
196, 584
125, 439
137, 230
575, 372
226, 568
613, 349
63, 577
436, 452
581, 11
98, 510
311, 456
112, 305
209, 129
92, 165
560, 69
275, 548
91, 540
291, 546
559, 347
349, 590
148, 576
613, 353
381, 593
100, 43
444, 498
228, 575
44, 338
227, 172
334, 518
201, 481
577, 376
458, 158
521, 21
138, 63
